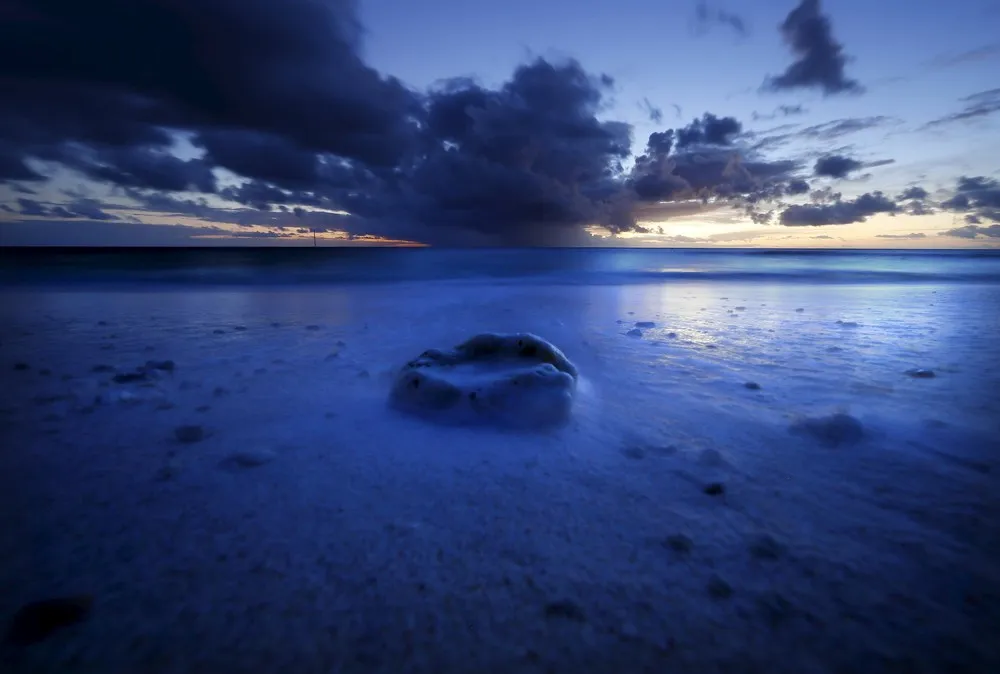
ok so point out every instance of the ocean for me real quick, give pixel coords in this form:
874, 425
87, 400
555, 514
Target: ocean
775, 461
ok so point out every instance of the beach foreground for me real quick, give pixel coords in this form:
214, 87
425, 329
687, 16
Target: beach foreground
705, 510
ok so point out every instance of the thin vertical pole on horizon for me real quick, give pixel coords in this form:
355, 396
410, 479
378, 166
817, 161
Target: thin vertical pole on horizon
314, 238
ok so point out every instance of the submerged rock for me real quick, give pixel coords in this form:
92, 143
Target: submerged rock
834, 430
645, 324
513, 379
634, 332
37, 620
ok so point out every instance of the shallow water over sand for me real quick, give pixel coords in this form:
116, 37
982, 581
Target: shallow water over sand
312, 527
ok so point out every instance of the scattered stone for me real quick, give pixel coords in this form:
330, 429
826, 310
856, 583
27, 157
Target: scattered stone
920, 373
250, 458
741, 308
634, 452
21, 367
718, 588
634, 332
799, 310
765, 547
715, 489
848, 324
645, 324
679, 543
672, 335
566, 609
189, 434
834, 430
165, 365
752, 385
38, 620
130, 377
775, 608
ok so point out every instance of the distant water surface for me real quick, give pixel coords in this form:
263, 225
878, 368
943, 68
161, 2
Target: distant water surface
575, 266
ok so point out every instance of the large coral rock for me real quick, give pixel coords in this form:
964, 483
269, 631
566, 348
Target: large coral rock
514, 379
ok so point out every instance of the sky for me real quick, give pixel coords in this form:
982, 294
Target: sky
676, 123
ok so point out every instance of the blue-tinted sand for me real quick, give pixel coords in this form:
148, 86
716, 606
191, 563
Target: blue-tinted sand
314, 529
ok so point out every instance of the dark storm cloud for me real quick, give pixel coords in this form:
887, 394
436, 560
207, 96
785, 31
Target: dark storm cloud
978, 197
820, 59
915, 192
81, 208
797, 187
108, 73
836, 166
708, 16
974, 231
276, 94
975, 106
839, 212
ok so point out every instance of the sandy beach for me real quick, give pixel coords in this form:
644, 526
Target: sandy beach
703, 511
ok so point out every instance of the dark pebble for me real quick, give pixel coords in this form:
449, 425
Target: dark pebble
718, 588
679, 543
752, 385
189, 434
37, 620
715, 489
567, 609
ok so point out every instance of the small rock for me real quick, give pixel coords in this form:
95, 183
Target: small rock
847, 324
645, 324
834, 430
634, 332
799, 310
679, 543
566, 609
752, 385
715, 489
741, 308
765, 547
38, 620
634, 452
21, 367
250, 458
189, 434
672, 335
130, 377
920, 373
718, 588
